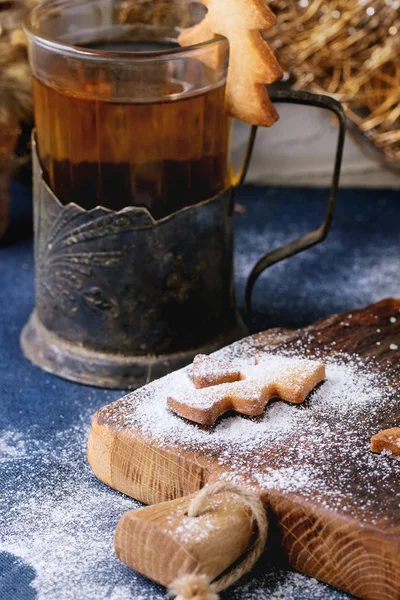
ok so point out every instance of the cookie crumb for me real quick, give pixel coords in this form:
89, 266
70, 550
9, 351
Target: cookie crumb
387, 442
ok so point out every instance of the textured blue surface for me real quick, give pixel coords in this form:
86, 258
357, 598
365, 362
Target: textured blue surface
57, 520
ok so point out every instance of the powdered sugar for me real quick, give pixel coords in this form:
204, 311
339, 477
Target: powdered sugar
208, 371
63, 528
388, 452
348, 389
288, 478
62, 524
305, 449
12, 445
256, 379
283, 585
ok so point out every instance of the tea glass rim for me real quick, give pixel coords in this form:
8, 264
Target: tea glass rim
52, 43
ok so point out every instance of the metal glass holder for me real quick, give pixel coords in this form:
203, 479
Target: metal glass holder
122, 299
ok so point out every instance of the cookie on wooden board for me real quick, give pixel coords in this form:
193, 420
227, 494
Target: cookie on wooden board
208, 371
250, 393
387, 441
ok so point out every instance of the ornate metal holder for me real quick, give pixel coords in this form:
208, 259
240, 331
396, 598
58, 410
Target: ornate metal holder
122, 299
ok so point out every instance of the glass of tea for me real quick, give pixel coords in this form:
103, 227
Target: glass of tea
124, 116
134, 191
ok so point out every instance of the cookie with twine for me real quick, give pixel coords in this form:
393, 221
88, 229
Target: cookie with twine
252, 63
251, 390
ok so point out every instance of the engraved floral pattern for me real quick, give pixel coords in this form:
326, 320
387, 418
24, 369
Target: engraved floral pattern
71, 253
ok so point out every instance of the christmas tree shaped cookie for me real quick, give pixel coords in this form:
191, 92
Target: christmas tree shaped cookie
220, 387
251, 61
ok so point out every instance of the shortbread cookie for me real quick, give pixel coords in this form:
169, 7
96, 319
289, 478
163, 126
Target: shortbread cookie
387, 441
208, 371
252, 64
292, 382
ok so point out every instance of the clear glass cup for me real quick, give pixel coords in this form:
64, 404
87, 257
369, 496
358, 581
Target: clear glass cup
124, 116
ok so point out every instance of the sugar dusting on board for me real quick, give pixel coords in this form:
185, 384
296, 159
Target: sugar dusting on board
349, 391
60, 521
255, 380
322, 439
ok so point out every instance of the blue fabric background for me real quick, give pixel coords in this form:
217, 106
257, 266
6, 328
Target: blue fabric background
57, 520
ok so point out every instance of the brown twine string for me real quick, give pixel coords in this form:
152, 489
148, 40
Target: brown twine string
199, 587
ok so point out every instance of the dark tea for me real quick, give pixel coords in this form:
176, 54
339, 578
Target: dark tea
163, 155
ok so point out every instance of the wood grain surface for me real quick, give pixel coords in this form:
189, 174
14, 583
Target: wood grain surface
163, 542
346, 529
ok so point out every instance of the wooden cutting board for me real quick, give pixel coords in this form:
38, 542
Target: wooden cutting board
335, 504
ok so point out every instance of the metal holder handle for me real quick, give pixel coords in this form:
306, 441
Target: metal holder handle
318, 235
